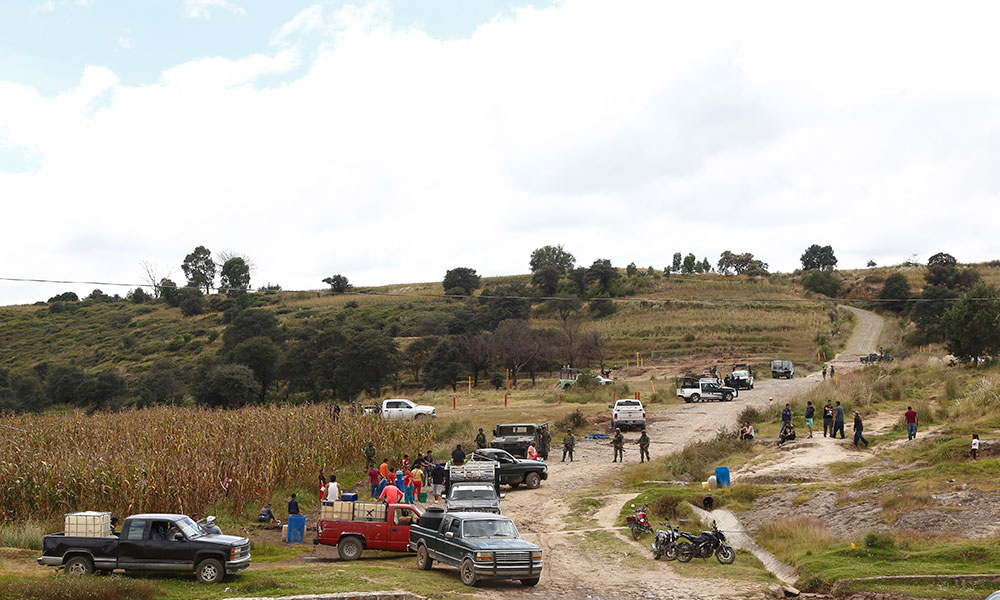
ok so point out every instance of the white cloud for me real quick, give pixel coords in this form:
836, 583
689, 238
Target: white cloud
202, 9
46, 7
628, 132
84, 3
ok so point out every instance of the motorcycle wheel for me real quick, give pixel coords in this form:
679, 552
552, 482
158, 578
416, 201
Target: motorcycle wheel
685, 552
657, 554
636, 532
725, 555
671, 552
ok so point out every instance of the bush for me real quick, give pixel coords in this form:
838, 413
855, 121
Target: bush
76, 588
21, 535
822, 282
497, 381
879, 539
573, 420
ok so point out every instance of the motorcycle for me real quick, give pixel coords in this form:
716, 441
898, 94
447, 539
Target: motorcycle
704, 545
638, 522
665, 544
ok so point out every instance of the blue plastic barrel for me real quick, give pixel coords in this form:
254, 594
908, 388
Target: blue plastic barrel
349, 497
722, 476
296, 529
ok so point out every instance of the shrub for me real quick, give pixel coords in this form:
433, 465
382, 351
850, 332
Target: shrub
75, 588
21, 535
822, 282
879, 539
573, 420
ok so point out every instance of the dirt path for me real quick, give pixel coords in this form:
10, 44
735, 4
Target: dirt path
864, 338
737, 537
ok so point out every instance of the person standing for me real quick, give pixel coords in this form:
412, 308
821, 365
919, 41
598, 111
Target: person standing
824, 372
383, 469
373, 477
786, 414
858, 428
838, 421
370, 454
406, 462
910, 416
643, 446
831, 372
544, 442
828, 418
437, 478
619, 444
458, 455
336, 412
418, 482
810, 411
569, 442
408, 486
975, 447
480, 439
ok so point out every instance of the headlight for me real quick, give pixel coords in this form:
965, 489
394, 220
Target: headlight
536, 556
484, 556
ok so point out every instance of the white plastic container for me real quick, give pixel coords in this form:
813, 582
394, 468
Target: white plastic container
88, 524
712, 482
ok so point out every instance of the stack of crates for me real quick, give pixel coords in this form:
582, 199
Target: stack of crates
369, 511
88, 524
337, 510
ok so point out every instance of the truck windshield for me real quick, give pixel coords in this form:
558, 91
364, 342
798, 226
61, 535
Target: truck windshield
189, 528
515, 430
479, 492
490, 528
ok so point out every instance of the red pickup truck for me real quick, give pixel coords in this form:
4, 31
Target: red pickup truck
356, 526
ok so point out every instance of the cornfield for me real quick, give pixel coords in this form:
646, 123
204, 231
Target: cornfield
174, 459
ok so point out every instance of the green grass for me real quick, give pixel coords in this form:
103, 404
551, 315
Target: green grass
21, 535
971, 591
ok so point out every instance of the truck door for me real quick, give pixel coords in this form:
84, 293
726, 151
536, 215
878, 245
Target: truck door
164, 551
392, 410
131, 543
399, 527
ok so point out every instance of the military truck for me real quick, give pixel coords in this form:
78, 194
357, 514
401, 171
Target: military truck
515, 437
782, 368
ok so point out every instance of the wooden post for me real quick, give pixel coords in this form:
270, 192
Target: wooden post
454, 402
470, 384
505, 400
560, 399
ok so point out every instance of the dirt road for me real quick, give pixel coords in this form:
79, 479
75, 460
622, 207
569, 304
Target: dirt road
864, 337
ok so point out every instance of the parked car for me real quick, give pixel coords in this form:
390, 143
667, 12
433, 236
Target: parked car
481, 545
515, 437
693, 389
403, 409
514, 471
741, 378
360, 526
151, 543
627, 413
782, 368
471, 496
568, 377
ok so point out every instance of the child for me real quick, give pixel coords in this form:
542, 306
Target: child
975, 446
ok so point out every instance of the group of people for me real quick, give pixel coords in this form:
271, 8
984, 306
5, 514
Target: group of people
404, 481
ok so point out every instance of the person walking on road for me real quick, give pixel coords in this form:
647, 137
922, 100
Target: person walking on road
619, 443
437, 480
828, 418
480, 439
786, 414
910, 416
544, 442
824, 372
838, 421
831, 372
370, 454
858, 428
643, 446
810, 411
975, 447
569, 442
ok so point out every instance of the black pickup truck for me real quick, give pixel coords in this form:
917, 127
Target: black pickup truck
481, 545
514, 471
151, 542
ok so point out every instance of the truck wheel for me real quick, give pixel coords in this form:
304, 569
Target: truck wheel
419, 417
727, 397
209, 571
532, 480
79, 565
469, 576
695, 398
530, 582
424, 562
349, 548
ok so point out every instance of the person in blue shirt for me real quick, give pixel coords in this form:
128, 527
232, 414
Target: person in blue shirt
293, 506
786, 415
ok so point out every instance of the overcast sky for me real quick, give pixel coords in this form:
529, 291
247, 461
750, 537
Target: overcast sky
391, 141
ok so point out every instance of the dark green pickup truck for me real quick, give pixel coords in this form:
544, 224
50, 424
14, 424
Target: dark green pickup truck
481, 545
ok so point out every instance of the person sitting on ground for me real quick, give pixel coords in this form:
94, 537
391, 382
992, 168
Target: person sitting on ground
787, 433
266, 515
746, 432
532, 453
211, 528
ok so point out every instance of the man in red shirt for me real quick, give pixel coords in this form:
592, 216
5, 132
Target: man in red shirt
391, 494
911, 422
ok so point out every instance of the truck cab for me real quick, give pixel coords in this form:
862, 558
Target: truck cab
782, 368
515, 437
741, 377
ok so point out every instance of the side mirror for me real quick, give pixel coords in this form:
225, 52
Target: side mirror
611, 406
449, 535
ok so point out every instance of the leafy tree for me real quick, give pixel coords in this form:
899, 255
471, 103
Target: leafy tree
199, 268
441, 369
740, 264
225, 386
822, 282
896, 290
191, 301
139, 296
689, 264
416, 354
676, 266
62, 383
260, 355
552, 257
972, 324
170, 293
166, 384
300, 368
514, 344
98, 296
564, 307
235, 278
631, 270
601, 306
365, 363
934, 301
818, 257
106, 390
338, 283
65, 297
473, 351
578, 277
461, 281
251, 323
603, 273
546, 279
943, 271
503, 303
23, 392
651, 272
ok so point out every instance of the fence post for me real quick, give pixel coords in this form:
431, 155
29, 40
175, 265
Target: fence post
454, 402
505, 400
560, 399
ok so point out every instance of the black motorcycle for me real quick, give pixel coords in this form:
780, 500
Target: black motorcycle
665, 543
704, 545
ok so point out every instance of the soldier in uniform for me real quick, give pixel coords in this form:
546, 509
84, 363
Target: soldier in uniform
619, 443
569, 442
643, 446
480, 439
370, 454
544, 441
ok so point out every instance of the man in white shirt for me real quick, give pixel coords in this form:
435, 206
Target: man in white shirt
333, 489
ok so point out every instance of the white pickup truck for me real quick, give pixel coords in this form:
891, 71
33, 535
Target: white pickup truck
404, 410
628, 413
693, 389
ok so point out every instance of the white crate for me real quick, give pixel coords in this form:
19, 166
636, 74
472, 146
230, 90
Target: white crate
88, 524
337, 510
369, 511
